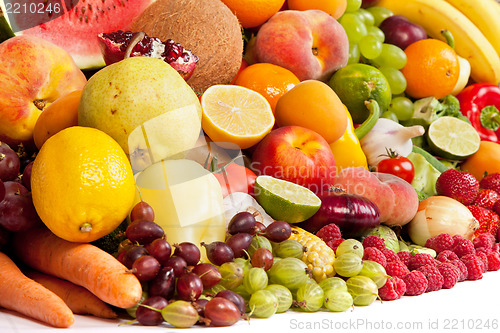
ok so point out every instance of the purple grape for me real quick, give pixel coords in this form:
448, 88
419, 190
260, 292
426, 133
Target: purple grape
17, 212
142, 211
189, 287
278, 231
241, 222
146, 268
239, 243
188, 251
148, 317
27, 176
144, 231
234, 297
5, 236
2, 190
132, 254
163, 284
399, 31
208, 273
160, 249
10, 164
178, 264
218, 252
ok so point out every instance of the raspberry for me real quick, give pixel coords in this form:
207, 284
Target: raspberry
474, 266
404, 256
374, 241
493, 261
329, 232
389, 254
463, 247
416, 283
481, 255
462, 268
434, 278
450, 274
440, 242
374, 254
419, 260
446, 256
334, 243
485, 240
393, 289
396, 268
496, 247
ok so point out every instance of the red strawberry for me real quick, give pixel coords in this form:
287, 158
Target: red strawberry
487, 198
459, 185
496, 207
491, 181
489, 221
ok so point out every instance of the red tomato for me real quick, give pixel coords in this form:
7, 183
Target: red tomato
399, 166
239, 179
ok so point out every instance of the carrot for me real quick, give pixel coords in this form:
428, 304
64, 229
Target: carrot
78, 299
22, 294
81, 263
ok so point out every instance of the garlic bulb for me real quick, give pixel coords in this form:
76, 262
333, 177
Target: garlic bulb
440, 214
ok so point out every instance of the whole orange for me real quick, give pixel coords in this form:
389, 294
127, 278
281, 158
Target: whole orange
432, 68
271, 81
253, 13
485, 160
314, 105
333, 7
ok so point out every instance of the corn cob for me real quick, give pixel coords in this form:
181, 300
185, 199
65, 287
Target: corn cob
318, 256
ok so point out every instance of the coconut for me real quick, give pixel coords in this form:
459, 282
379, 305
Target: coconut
208, 28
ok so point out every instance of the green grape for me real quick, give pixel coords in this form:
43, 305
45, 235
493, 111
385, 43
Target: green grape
366, 17
337, 300
374, 271
255, 279
370, 47
348, 264
242, 291
289, 248
396, 79
333, 282
354, 53
232, 275
389, 115
391, 56
289, 272
243, 263
215, 289
284, 296
263, 304
353, 26
353, 5
259, 241
402, 106
350, 245
362, 289
379, 14
310, 297
374, 31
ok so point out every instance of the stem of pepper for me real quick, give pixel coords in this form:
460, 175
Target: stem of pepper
490, 117
367, 125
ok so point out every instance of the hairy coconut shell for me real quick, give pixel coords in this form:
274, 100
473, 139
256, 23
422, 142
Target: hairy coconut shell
208, 28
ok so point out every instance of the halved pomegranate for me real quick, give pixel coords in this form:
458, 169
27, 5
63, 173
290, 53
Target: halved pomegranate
114, 47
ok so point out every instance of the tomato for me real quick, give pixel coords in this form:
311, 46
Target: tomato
399, 166
239, 179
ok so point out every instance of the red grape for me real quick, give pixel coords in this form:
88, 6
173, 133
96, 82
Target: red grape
2, 190
5, 236
160, 249
239, 243
189, 287
259, 228
10, 164
27, 176
148, 317
278, 231
163, 284
399, 31
145, 268
132, 254
222, 312
208, 273
199, 305
178, 264
262, 258
234, 297
17, 212
188, 251
142, 211
241, 222
144, 231
218, 252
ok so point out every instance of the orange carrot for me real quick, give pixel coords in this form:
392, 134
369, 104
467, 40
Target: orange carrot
22, 294
81, 263
78, 299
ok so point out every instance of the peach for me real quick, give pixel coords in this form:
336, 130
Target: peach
310, 43
34, 73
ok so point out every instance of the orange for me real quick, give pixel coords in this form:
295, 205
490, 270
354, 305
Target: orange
235, 115
334, 8
253, 13
62, 113
314, 105
82, 184
432, 68
271, 81
485, 160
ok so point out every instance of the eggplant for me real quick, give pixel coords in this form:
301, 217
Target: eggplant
353, 214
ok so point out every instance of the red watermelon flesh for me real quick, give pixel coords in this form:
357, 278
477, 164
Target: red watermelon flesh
76, 30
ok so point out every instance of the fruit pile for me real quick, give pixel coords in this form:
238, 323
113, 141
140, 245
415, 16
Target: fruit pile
276, 155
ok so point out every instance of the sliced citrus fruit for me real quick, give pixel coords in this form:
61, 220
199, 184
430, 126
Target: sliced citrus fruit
234, 114
284, 200
452, 138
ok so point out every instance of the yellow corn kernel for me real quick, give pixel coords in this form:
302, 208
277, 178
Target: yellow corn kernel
318, 256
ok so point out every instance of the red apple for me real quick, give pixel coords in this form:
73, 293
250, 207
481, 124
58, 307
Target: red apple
298, 155
33, 74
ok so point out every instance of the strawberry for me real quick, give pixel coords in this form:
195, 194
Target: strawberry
487, 198
459, 185
489, 221
496, 207
491, 182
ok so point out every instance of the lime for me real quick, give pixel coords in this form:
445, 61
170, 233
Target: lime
452, 138
284, 200
357, 83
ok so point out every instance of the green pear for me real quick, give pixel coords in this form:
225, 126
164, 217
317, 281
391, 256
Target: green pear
146, 106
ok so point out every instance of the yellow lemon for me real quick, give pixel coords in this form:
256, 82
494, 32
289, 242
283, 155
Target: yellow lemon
82, 184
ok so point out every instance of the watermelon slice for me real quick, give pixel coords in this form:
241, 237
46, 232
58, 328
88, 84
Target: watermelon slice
74, 27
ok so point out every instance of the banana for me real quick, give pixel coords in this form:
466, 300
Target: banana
484, 14
470, 43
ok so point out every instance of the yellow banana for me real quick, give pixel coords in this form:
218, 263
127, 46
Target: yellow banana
485, 15
470, 43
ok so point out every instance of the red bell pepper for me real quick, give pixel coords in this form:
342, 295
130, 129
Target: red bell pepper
480, 103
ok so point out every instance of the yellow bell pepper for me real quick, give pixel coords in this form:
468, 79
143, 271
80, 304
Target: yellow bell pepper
347, 149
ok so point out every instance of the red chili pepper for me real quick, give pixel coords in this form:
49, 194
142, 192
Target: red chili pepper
480, 103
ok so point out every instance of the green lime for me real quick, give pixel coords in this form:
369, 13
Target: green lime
357, 83
452, 138
284, 200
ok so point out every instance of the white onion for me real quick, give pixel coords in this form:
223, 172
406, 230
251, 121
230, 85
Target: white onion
440, 214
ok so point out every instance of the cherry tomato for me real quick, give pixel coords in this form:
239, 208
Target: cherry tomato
399, 166
239, 179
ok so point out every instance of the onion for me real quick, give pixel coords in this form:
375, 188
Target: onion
440, 214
